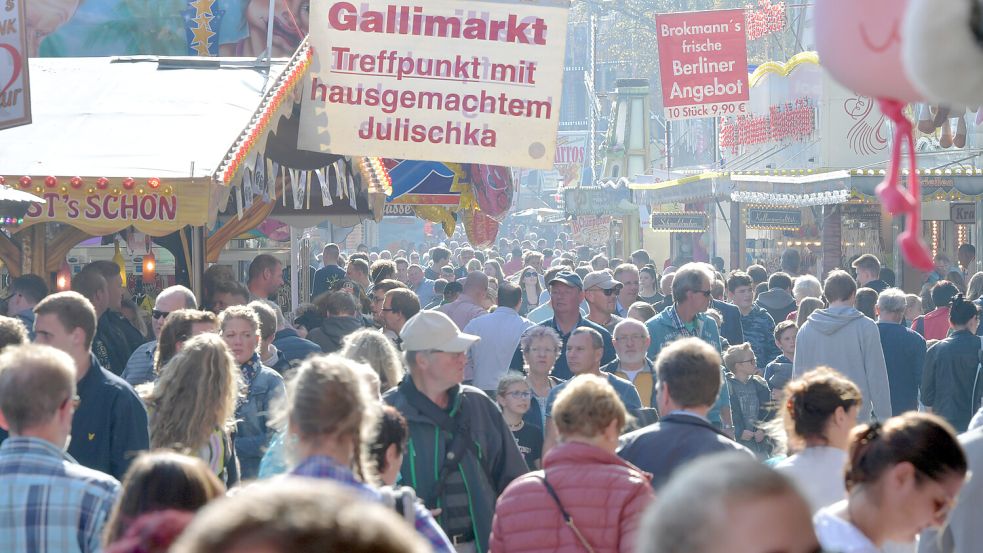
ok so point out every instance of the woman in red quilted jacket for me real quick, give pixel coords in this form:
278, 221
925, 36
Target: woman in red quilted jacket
601, 495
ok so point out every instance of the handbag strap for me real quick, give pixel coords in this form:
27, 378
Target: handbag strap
567, 519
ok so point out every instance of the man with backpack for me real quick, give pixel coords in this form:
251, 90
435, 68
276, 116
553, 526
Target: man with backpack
462, 451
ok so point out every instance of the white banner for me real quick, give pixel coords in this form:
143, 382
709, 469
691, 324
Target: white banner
476, 81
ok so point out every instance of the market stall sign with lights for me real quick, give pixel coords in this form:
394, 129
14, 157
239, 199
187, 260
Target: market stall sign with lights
680, 222
774, 219
100, 205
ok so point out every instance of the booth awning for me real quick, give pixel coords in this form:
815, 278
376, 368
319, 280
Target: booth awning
139, 117
119, 142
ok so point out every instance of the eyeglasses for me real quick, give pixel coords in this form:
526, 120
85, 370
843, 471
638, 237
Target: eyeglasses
157, 313
608, 292
752, 360
706, 293
519, 395
76, 401
631, 337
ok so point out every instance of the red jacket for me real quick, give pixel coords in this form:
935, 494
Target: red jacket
936, 324
604, 495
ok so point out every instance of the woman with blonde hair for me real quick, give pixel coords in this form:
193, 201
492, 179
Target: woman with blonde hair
371, 347
586, 498
193, 405
263, 387
332, 417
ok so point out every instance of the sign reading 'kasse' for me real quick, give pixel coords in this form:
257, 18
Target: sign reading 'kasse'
472, 81
15, 101
703, 63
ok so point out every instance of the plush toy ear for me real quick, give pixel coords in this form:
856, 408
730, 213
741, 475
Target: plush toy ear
943, 50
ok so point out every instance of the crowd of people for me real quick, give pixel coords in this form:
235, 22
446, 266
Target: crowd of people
517, 398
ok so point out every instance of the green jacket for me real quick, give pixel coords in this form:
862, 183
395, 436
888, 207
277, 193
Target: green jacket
498, 459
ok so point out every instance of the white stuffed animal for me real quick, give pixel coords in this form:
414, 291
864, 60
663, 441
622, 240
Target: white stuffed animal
943, 50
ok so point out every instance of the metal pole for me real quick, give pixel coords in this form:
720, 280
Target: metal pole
295, 268
269, 30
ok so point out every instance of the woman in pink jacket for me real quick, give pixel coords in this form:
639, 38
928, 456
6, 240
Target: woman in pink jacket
590, 500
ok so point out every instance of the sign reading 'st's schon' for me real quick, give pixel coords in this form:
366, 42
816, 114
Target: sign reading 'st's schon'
703, 60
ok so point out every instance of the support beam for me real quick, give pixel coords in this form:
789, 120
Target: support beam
67, 238
10, 255
235, 226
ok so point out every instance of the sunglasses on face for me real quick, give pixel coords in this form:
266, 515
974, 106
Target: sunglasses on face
608, 292
157, 313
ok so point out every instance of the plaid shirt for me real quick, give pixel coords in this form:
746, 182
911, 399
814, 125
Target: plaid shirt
48, 502
320, 466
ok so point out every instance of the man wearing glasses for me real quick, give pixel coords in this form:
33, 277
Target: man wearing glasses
686, 316
50, 501
601, 292
464, 454
140, 367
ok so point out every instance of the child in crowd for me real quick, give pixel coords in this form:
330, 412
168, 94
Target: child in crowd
750, 400
514, 395
779, 371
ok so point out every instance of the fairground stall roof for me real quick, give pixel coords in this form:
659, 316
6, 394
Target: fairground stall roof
105, 129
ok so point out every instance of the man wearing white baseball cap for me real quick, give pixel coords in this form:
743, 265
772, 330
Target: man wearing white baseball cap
463, 453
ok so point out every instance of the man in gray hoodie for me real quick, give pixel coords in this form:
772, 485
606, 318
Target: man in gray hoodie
842, 338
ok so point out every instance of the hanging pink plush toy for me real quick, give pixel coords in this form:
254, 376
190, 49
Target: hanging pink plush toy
859, 43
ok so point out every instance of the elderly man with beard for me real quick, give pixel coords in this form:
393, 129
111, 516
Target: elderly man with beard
631, 341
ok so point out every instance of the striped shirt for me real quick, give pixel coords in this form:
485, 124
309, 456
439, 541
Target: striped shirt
48, 502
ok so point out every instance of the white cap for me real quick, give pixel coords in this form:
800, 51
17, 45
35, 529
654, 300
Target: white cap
433, 330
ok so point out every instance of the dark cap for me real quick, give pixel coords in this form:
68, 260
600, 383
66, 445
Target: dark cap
569, 278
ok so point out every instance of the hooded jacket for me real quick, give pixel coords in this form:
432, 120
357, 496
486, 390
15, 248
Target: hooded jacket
332, 332
777, 302
498, 461
843, 339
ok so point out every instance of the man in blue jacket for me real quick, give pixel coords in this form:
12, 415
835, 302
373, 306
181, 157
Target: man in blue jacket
686, 317
904, 351
688, 384
110, 423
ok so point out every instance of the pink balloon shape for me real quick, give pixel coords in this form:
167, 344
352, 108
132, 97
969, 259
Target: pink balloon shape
859, 43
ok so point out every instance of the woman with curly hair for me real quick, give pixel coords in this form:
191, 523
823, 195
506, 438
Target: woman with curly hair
373, 348
193, 405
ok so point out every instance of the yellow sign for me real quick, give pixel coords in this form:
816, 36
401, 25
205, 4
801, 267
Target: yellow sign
97, 211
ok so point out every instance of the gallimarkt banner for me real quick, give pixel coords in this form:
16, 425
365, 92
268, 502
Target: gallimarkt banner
703, 63
15, 99
445, 80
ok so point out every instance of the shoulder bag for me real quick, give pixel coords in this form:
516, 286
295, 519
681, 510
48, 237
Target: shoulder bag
567, 519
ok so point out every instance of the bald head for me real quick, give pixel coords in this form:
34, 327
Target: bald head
476, 285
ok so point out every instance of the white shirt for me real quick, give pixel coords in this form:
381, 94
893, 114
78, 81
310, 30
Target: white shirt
490, 357
818, 473
836, 534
